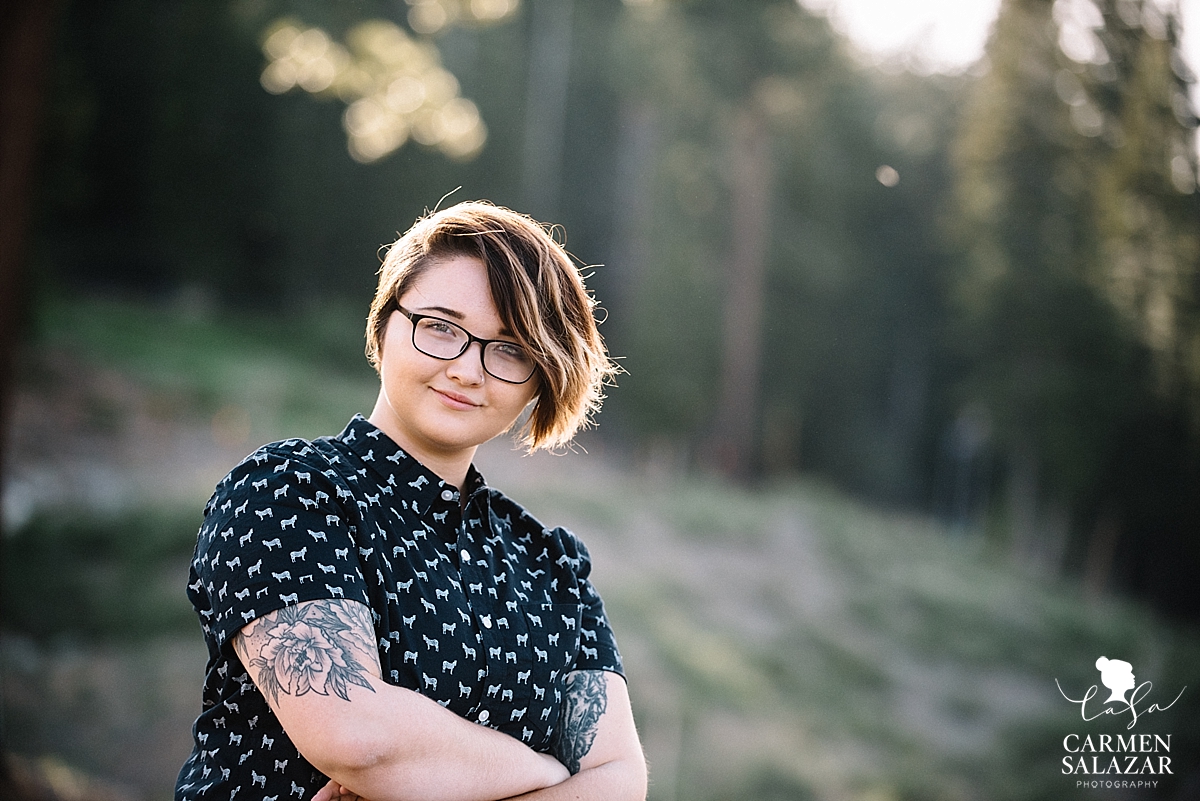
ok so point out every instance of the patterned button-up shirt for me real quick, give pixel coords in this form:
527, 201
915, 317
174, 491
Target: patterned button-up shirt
475, 603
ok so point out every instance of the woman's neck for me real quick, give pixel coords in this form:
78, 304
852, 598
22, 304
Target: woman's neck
449, 466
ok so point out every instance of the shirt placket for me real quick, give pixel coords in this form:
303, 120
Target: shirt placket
480, 589
464, 554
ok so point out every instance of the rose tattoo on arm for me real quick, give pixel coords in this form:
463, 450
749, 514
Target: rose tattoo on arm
321, 647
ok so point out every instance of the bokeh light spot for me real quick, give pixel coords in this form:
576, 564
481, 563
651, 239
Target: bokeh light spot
279, 43
428, 17
490, 10
405, 94
394, 86
279, 77
1087, 119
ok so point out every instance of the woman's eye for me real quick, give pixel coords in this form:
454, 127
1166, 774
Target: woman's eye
510, 351
439, 327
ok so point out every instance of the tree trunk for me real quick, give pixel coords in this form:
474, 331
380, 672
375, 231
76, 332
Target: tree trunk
634, 201
742, 335
26, 36
1101, 550
546, 104
1022, 500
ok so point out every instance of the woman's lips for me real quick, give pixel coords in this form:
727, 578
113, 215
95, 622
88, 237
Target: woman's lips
454, 400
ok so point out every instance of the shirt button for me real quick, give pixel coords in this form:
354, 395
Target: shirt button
447, 495
466, 557
486, 620
483, 716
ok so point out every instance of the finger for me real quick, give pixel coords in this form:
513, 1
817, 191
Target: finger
329, 792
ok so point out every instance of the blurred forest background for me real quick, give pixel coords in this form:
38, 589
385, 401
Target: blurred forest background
910, 424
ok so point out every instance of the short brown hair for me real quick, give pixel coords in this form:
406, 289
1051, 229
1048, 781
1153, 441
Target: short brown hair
539, 293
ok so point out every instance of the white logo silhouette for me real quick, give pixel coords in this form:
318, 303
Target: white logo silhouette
1116, 675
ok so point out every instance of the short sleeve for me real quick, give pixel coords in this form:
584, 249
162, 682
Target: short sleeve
275, 534
598, 646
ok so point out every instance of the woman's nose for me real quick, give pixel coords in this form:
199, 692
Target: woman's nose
468, 367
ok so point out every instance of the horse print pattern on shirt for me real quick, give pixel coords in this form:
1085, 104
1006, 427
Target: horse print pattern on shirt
474, 604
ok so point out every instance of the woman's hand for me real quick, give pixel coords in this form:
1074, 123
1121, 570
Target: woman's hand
336, 792
555, 770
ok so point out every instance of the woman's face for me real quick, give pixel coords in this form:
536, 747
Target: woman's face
442, 410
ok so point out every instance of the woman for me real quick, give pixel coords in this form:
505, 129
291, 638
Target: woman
379, 621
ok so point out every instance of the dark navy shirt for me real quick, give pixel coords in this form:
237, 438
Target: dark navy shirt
477, 605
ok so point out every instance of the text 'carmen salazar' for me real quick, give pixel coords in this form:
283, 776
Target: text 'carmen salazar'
1107, 754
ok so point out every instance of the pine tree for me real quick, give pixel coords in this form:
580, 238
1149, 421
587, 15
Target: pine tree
1147, 211
1046, 355
1147, 219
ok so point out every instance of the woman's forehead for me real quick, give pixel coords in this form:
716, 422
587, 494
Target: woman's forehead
454, 287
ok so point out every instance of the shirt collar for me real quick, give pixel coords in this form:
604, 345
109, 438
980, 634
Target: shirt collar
394, 465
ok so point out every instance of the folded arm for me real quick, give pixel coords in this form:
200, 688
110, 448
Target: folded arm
597, 742
317, 665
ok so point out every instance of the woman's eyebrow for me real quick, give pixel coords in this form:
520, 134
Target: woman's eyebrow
448, 312
504, 332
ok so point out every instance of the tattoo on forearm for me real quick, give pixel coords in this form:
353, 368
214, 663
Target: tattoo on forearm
319, 646
584, 701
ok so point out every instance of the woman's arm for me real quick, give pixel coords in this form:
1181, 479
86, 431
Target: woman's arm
597, 742
317, 665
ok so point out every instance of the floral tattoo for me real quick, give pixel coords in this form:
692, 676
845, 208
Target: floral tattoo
311, 647
584, 701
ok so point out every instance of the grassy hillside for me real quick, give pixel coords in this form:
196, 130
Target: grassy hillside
790, 643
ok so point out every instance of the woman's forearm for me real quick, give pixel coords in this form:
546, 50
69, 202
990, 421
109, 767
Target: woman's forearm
317, 665
613, 781
401, 746
619, 780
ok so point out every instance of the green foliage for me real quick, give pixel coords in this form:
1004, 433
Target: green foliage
87, 576
298, 374
1023, 299
1079, 233
1144, 194
1050, 215
171, 166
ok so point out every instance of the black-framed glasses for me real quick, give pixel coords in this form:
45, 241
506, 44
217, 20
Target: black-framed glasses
442, 339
